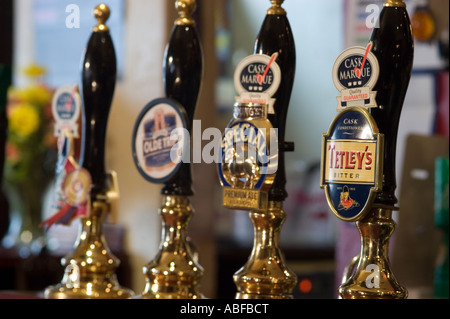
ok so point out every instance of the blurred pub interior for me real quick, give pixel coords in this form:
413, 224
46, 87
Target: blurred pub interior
37, 34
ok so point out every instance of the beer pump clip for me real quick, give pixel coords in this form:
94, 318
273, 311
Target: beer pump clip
66, 109
250, 144
352, 149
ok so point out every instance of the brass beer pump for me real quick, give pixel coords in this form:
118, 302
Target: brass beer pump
90, 268
265, 275
174, 273
369, 275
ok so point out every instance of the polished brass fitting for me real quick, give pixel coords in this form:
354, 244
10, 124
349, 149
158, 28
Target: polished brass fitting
101, 13
373, 277
276, 8
174, 273
395, 3
265, 275
185, 9
90, 268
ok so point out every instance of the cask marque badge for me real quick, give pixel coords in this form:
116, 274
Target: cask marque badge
355, 74
257, 78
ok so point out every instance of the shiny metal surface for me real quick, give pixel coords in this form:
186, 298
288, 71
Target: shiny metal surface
373, 277
276, 8
395, 3
185, 9
90, 268
174, 273
101, 13
265, 275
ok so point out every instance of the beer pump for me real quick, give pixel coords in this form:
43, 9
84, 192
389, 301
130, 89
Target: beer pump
88, 188
252, 170
160, 148
359, 150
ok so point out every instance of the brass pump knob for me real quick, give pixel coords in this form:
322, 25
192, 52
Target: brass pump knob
101, 13
276, 8
185, 9
395, 3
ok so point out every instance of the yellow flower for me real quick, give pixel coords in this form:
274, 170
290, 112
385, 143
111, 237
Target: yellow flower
24, 120
33, 70
36, 94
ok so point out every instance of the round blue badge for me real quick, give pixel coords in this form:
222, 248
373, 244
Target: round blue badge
160, 138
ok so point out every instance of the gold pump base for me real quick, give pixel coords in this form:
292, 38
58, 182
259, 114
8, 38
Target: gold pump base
373, 277
90, 268
265, 275
174, 273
